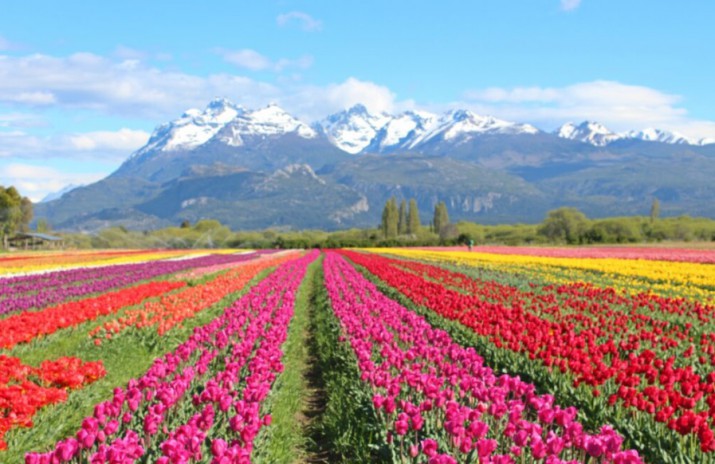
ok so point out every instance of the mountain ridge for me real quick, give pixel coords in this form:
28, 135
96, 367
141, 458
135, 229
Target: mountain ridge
258, 168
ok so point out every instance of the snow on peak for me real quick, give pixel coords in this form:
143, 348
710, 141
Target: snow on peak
224, 121
356, 130
269, 121
590, 132
353, 129
193, 128
658, 135
463, 124
401, 130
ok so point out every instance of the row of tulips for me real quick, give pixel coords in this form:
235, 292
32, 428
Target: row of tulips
211, 386
170, 310
200, 272
666, 278
440, 403
25, 327
38, 291
687, 255
609, 341
24, 389
41, 263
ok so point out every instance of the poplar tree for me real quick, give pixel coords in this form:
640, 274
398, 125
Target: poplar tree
402, 221
413, 218
390, 218
441, 217
654, 210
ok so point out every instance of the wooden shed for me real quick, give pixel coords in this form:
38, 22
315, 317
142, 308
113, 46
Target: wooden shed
35, 241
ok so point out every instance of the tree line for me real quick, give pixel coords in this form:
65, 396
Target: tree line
400, 225
406, 220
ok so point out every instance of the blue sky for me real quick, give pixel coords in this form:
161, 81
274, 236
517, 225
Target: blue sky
83, 84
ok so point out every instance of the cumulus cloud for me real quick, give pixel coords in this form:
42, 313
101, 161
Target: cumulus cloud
36, 181
254, 61
570, 5
99, 145
127, 88
620, 106
316, 102
125, 140
21, 121
306, 22
131, 88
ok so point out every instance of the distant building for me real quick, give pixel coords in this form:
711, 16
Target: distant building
35, 241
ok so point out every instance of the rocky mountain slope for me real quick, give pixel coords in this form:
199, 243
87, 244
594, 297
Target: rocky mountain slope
257, 168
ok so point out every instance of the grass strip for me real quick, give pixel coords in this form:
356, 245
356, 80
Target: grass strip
348, 429
285, 441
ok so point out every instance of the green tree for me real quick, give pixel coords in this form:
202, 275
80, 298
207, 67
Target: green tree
26, 213
402, 218
441, 217
566, 224
413, 218
654, 210
43, 226
390, 218
10, 212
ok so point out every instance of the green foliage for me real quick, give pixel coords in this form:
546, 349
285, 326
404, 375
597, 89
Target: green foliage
390, 219
402, 219
349, 429
43, 226
285, 441
654, 210
413, 218
440, 219
15, 212
212, 234
564, 225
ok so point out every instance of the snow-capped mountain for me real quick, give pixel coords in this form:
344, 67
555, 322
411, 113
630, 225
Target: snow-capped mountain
657, 135
226, 122
401, 132
590, 132
597, 134
461, 125
269, 121
353, 129
358, 131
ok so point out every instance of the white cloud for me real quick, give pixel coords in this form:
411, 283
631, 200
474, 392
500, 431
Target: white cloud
570, 5
249, 59
125, 140
254, 61
100, 145
307, 22
314, 102
21, 120
620, 106
36, 182
119, 87
130, 88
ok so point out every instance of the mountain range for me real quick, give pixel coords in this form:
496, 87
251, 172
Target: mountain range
258, 168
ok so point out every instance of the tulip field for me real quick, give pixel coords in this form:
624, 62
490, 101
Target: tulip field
392, 355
